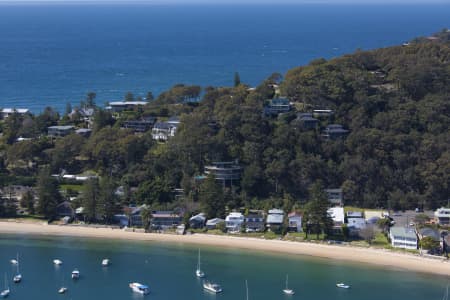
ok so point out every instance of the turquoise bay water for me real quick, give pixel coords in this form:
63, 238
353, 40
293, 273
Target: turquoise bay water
169, 271
54, 54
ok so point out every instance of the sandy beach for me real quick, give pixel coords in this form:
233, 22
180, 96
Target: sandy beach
371, 256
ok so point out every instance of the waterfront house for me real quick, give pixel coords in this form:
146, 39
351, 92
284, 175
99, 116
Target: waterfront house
234, 221
254, 222
429, 232
119, 106
135, 218
442, 216
306, 121
197, 221
277, 106
403, 237
60, 131
335, 196
295, 222
275, 219
337, 215
165, 219
6, 112
228, 171
334, 131
121, 219
355, 222
213, 223
64, 209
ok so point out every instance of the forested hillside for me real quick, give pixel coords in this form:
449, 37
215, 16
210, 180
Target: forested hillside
394, 102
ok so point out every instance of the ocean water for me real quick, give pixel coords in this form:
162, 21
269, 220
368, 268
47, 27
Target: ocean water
169, 271
54, 54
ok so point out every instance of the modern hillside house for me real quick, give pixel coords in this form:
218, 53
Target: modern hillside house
119, 106
60, 131
334, 131
162, 131
306, 121
277, 106
139, 125
6, 112
226, 171
403, 237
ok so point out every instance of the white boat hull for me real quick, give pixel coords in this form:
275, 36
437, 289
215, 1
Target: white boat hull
4, 293
213, 288
17, 278
288, 292
199, 273
343, 286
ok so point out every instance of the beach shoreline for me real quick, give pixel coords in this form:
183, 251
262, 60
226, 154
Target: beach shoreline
370, 256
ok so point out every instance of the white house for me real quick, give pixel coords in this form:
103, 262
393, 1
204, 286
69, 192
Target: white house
118, 106
234, 221
295, 222
442, 216
337, 214
162, 131
403, 237
275, 219
6, 112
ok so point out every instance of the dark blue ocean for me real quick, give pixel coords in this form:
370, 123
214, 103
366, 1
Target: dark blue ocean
54, 54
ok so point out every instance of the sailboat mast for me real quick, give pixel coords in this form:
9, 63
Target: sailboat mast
246, 288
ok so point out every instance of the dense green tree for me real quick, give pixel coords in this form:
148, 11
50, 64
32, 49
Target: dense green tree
212, 198
27, 201
237, 79
428, 243
91, 200
316, 218
48, 194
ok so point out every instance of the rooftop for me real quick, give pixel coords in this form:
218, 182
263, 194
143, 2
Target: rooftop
403, 232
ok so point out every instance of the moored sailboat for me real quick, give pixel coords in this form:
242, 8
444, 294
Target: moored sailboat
18, 277
287, 290
199, 273
6, 291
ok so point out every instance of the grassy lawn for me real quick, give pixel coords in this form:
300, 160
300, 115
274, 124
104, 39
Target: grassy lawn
381, 241
73, 187
352, 208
